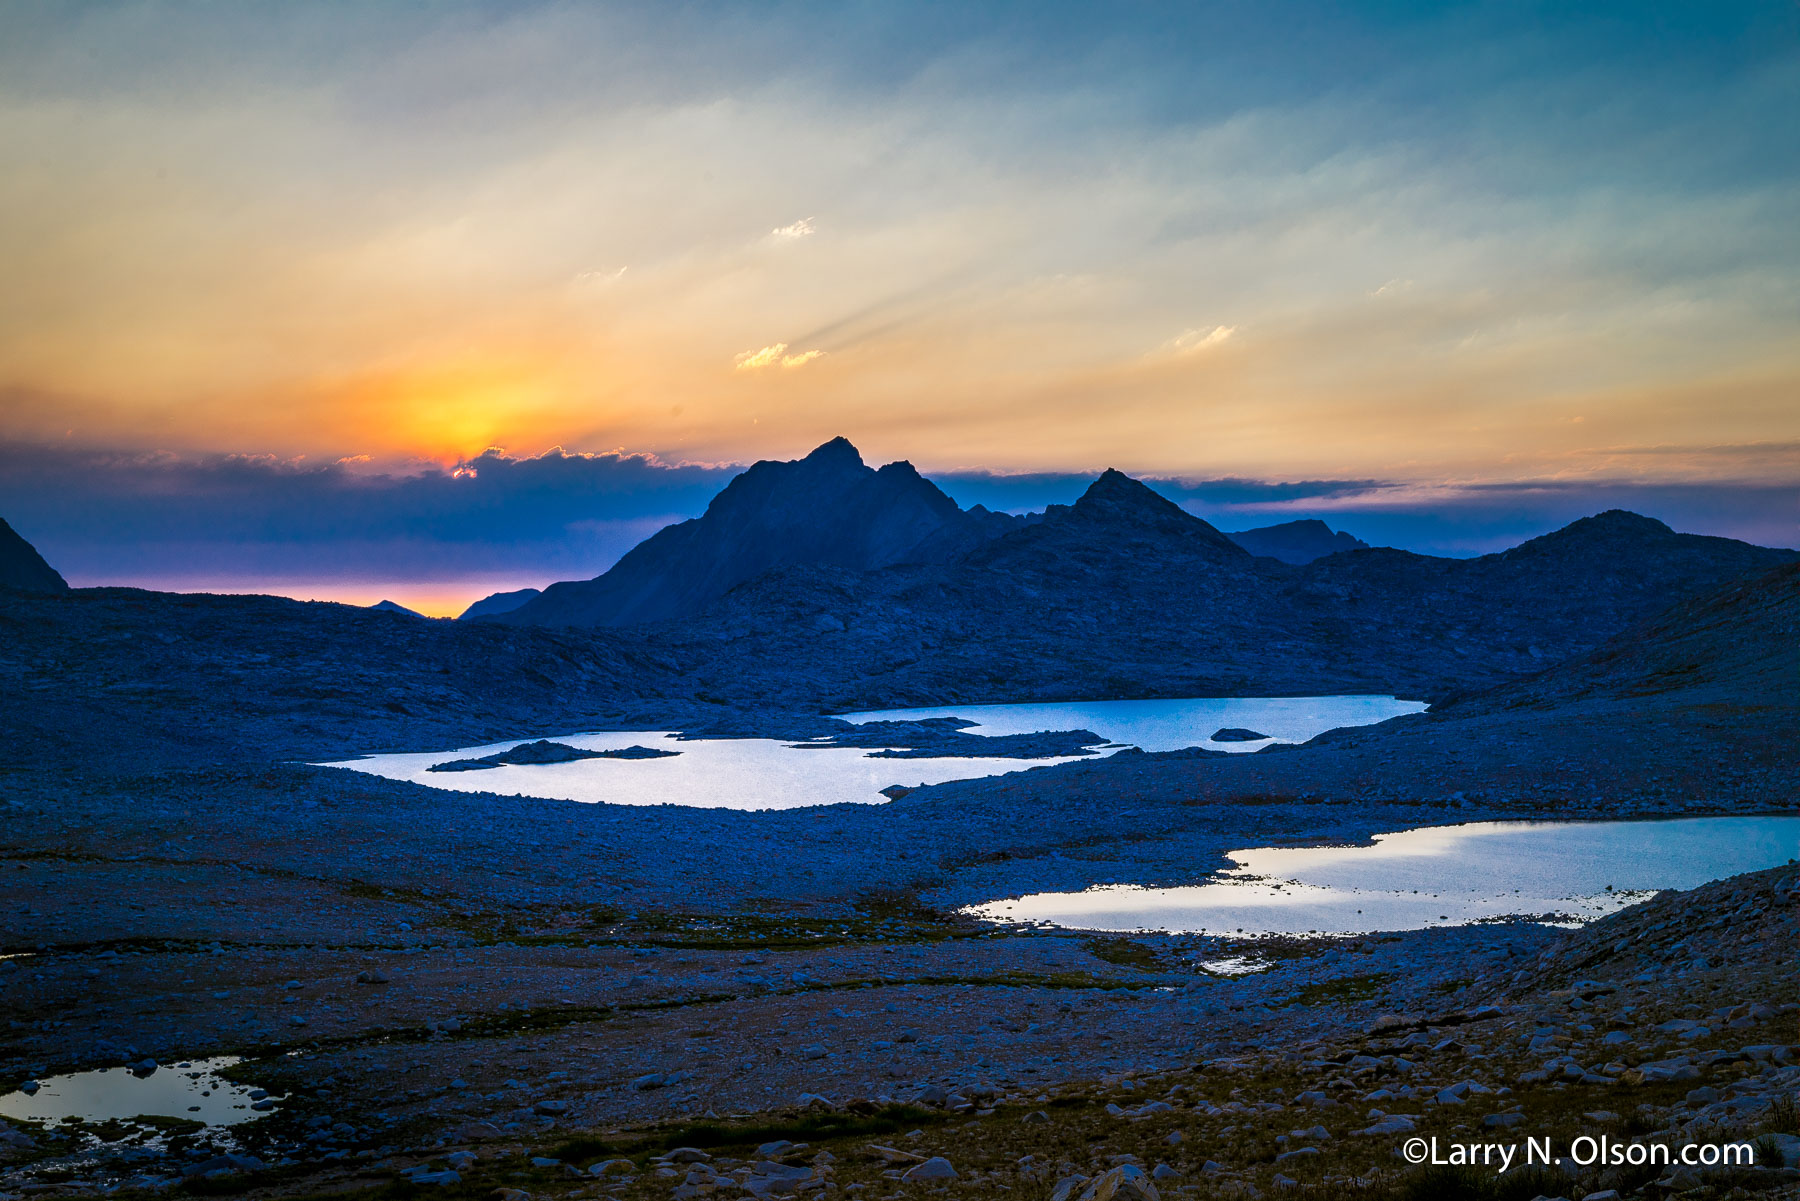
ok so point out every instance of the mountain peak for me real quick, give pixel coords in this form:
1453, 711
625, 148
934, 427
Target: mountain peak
1621, 521
1113, 488
1618, 529
1115, 499
829, 509
840, 451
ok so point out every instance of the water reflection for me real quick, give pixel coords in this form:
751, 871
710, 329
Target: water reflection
1434, 876
762, 773
190, 1090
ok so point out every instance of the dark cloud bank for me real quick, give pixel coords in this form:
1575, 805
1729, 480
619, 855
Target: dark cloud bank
235, 521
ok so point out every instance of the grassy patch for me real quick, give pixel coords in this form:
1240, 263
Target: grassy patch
1342, 991
1124, 952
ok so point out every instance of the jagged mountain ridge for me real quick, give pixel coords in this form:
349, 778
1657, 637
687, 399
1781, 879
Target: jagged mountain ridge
824, 578
829, 509
1125, 594
23, 568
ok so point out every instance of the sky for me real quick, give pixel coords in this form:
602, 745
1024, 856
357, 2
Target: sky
353, 300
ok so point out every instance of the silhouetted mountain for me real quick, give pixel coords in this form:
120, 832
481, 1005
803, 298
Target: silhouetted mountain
826, 580
1124, 594
1119, 538
499, 602
388, 606
23, 568
1116, 514
828, 510
1296, 542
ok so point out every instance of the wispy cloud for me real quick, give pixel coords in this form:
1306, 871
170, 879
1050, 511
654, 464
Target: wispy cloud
756, 360
599, 278
1197, 341
774, 356
802, 228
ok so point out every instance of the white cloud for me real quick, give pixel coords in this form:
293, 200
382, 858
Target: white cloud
802, 228
1196, 341
756, 360
774, 356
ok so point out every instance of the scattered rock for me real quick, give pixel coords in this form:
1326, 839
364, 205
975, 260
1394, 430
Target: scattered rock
1127, 1182
935, 1168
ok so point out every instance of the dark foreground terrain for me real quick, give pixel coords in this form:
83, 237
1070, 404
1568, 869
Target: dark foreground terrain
451, 994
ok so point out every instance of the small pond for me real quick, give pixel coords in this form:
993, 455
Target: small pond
1567, 872
189, 1091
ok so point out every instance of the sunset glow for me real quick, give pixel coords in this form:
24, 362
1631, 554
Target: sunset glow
1444, 249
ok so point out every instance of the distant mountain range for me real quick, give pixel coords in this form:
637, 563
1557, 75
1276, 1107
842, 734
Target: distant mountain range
1121, 594
23, 568
825, 575
829, 509
824, 583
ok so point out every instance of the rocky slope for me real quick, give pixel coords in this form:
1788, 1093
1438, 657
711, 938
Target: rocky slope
498, 602
1738, 647
22, 568
107, 677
